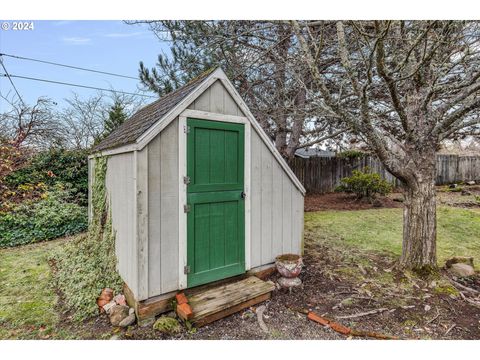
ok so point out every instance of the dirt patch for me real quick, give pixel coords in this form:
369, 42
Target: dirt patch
337, 284
463, 197
344, 201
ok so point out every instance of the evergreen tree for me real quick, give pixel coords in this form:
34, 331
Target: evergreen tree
116, 117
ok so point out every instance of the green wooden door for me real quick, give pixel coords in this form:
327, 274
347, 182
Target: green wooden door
216, 217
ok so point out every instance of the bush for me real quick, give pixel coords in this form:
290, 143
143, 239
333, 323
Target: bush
365, 184
50, 217
68, 167
87, 265
350, 154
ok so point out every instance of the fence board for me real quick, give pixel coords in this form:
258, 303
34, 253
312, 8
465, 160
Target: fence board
323, 174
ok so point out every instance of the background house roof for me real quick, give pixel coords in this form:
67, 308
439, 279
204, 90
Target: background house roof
147, 116
313, 152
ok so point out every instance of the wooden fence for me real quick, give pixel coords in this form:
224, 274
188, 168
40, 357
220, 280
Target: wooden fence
323, 174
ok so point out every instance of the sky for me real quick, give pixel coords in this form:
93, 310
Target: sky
110, 46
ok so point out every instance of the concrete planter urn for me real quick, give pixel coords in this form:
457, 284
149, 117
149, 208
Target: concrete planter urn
289, 266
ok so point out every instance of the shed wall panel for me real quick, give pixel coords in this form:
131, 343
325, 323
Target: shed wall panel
169, 184
256, 201
154, 217
216, 99
120, 182
276, 206
163, 185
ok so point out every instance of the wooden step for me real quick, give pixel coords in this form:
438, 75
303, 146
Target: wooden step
221, 301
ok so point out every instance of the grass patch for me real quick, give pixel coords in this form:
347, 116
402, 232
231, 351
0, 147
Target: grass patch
380, 230
27, 299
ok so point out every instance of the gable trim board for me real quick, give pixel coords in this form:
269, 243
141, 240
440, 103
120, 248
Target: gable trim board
171, 115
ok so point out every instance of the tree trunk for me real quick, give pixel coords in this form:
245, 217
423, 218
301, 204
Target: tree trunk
420, 223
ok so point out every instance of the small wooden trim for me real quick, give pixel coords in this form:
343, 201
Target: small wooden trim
135, 289
182, 200
248, 191
115, 151
141, 192
206, 115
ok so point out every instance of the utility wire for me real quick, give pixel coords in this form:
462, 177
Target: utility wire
76, 85
11, 81
69, 66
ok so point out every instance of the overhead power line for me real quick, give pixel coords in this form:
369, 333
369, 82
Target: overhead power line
11, 81
75, 85
69, 66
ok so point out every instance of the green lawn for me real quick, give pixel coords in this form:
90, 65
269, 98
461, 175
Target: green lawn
380, 230
27, 299
28, 302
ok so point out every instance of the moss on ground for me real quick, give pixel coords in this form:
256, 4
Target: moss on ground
167, 325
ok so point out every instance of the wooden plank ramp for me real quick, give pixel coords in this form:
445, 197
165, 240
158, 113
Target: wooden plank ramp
224, 300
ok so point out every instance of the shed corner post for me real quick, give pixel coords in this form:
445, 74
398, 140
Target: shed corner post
141, 220
182, 200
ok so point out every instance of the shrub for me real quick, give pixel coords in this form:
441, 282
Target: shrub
87, 265
365, 184
50, 217
68, 167
350, 154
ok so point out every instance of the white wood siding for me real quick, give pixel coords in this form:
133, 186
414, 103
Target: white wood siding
277, 208
163, 212
120, 184
216, 99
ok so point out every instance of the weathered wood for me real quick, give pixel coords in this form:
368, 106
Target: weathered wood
155, 305
234, 309
323, 174
225, 300
263, 272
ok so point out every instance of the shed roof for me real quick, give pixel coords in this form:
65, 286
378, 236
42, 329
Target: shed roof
147, 116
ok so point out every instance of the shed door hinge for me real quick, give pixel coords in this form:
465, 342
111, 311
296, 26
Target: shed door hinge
186, 269
186, 180
186, 208
186, 129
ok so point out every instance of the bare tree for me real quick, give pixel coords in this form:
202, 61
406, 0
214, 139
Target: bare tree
34, 126
83, 120
403, 87
260, 58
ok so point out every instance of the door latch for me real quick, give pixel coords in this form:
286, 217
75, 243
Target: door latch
243, 195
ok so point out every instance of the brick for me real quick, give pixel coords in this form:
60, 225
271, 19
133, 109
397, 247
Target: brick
340, 328
317, 318
181, 298
184, 311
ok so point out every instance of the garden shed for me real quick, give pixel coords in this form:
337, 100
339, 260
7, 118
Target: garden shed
197, 191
